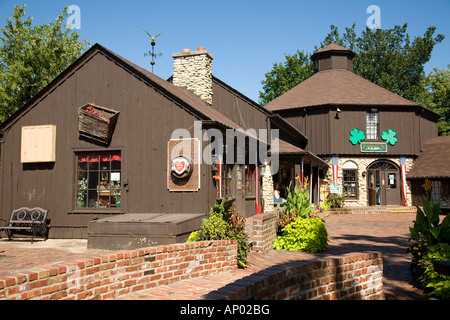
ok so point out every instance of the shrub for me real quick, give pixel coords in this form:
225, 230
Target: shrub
308, 235
223, 224
431, 279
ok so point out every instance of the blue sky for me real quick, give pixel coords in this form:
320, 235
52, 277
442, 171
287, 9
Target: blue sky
245, 37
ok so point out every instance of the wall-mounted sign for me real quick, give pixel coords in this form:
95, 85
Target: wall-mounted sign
183, 172
38, 144
356, 136
181, 167
373, 147
389, 136
334, 188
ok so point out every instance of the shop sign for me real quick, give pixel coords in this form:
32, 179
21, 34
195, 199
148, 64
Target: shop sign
183, 165
373, 147
334, 188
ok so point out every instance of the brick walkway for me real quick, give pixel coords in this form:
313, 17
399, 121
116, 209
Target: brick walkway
387, 233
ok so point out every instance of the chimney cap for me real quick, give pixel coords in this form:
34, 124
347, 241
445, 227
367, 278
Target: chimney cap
201, 49
186, 50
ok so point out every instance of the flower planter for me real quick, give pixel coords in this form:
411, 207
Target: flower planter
97, 123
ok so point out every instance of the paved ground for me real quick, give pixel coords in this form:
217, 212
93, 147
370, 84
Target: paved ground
348, 233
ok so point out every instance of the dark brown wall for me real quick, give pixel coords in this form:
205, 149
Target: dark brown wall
237, 108
328, 135
147, 119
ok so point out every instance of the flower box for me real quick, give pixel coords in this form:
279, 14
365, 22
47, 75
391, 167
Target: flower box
97, 123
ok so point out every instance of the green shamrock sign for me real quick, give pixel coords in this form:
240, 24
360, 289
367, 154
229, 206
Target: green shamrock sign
389, 136
356, 136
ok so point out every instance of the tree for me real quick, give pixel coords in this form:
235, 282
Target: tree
436, 97
31, 57
284, 76
385, 57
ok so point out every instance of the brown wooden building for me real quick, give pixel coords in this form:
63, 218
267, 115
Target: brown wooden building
58, 155
366, 133
433, 164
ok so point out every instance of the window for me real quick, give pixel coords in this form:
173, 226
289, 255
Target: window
249, 180
226, 180
436, 191
372, 125
350, 180
98, 180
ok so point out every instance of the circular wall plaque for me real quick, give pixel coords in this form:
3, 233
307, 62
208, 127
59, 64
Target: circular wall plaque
181, 167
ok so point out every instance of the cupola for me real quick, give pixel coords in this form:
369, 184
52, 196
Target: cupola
333, 56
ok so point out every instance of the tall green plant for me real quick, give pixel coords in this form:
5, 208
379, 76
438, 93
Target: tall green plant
427, 226
297, 202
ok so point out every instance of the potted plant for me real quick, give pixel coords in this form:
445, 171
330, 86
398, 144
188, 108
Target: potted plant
81, 195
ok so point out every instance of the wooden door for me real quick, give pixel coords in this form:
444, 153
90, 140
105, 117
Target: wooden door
392, 188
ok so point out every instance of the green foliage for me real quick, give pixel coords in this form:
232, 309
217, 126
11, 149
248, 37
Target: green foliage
436, 97
31, 57
386, 57
431, 279
427, 226
297, 202
284, 76
224, 224
308, 235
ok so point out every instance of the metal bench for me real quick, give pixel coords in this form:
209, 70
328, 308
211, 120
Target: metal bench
29, 220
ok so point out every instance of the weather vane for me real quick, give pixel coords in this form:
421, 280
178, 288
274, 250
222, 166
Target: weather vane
152, 53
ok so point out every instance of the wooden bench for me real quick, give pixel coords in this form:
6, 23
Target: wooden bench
26, 219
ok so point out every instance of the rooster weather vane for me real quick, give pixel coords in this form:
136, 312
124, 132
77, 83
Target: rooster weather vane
152, 53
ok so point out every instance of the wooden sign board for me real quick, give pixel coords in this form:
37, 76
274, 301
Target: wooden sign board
38, 144
188, 149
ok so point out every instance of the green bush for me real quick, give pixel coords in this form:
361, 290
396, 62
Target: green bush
431, 279
223, 224
308, 235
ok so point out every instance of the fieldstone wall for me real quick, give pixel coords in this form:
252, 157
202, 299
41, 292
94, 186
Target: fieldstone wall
193, 71
267, 188
363, 163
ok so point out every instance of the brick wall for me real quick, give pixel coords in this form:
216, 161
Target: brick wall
357, 276
111, 275
262, 231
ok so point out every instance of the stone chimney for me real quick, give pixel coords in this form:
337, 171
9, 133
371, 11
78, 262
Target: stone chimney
193, 71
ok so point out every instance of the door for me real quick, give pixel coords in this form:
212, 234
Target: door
392, 189
383, 184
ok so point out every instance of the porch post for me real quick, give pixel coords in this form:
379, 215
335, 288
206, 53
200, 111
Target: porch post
311, 183
318, 185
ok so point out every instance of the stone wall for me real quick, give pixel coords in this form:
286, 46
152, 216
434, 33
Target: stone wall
193, 71
267, 188
363, 163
